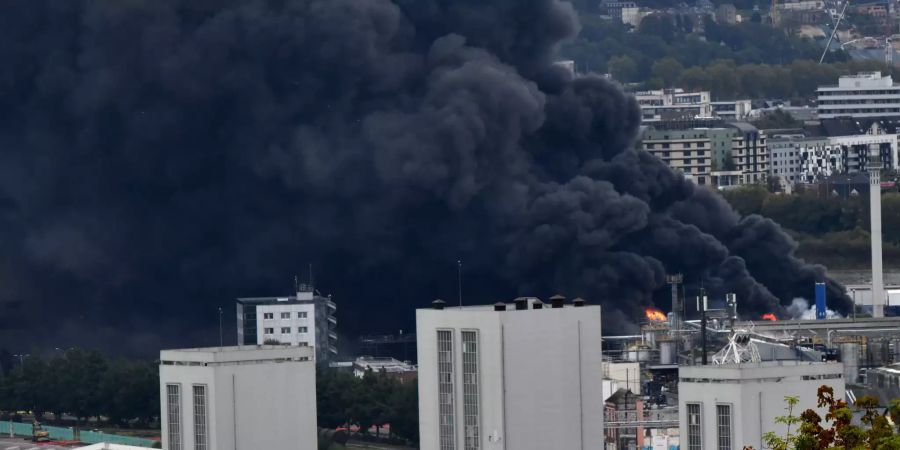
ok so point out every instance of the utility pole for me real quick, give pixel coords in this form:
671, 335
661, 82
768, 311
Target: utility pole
701, 306
221, 335
459, 280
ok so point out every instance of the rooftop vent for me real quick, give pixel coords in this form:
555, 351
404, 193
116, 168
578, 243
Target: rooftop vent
578, 302
537, 304
557, 301
499, 306
438, 304
521, 303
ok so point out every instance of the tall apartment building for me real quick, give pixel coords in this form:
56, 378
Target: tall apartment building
526, 376
225, 398
867, 94
304, 319
729, 406
711, 153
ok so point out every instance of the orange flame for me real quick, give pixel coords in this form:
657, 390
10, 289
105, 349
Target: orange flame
655, 314
769, 316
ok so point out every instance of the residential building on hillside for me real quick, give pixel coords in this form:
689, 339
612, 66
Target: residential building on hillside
863, 95
304, 319
712, 153
523, 376
728, 406
260, 397
798, 5
726, 14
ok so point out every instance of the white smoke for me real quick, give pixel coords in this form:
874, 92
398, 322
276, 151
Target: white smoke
801, 309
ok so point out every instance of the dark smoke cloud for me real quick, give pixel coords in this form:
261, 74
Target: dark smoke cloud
159, 158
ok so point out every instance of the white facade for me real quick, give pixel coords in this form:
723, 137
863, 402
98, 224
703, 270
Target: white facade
304, 319
725, 407
525, 379
238, 398
732, 110
668, 103
802, 5
863, 95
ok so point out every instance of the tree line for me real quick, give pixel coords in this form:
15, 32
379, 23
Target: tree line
373, 400
830, 228
82, 384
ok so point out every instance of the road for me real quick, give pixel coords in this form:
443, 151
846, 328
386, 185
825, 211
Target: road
22, 444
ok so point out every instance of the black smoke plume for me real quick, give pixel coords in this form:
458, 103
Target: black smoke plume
160, 157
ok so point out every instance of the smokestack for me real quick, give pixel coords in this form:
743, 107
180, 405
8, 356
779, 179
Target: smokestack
499, 306
874, 166
521, 303
437, 304
557, 301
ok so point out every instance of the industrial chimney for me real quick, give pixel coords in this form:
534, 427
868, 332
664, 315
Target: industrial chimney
874, 165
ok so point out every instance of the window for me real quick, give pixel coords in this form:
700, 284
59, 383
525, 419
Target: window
694, 438
286, 315
303, 330
723, 423
269, 331
201, 441
445, 390
303, 344
285, 330
173, 410
471, 394
301, 315
268, 315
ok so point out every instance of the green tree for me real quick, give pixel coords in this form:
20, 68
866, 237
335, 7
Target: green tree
623, 68
668, 70
777, 119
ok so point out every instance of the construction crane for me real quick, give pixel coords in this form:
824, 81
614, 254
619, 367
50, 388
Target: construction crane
834, 31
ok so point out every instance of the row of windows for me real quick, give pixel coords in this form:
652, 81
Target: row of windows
285, 315
695, 426
866, 92
173, 417
859, 111
886, 101
286, 330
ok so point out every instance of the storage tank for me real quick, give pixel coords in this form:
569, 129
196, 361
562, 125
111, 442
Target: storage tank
850, 358
877, 352
667, 352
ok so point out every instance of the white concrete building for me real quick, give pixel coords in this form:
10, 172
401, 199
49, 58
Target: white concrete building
304, 319
725, 407
732, 110
665, 104
866, 94
522, 377
238, 398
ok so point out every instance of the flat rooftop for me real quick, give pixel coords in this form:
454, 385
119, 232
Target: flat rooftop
236, 354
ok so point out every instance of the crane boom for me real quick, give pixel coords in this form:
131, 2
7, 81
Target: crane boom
834, 31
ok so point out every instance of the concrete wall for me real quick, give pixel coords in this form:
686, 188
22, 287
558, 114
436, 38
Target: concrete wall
540, 376
628, 375
756, 393
251, 405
